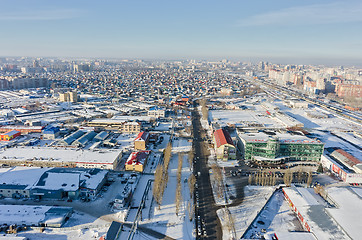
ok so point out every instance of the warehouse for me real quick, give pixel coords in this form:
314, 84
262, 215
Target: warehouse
39, 216
9, 135
276, 148
61, 157
223, 145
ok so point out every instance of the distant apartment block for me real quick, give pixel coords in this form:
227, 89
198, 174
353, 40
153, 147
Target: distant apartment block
23, 83
349, 90
68, 97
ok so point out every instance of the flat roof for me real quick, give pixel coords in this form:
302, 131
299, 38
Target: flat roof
59, 154
283, 138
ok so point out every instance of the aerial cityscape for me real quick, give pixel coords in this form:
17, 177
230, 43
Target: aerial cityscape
180, 120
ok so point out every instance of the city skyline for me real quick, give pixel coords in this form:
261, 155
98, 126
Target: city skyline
308, 32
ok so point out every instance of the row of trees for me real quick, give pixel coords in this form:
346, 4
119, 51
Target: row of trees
218, 180
204, 109
161, 176
264, 178
178, 187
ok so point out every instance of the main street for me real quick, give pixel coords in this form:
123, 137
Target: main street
208, 225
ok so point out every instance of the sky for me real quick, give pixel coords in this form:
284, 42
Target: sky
295, 31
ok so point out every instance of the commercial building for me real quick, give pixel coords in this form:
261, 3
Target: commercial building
22, 129
137, 161
61, 157
343, 165
223, 145
141, 141
277, 148
9, 135
335, 218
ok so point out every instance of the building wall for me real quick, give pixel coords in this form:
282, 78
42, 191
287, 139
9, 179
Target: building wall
9, 193
136, 168
294, 151
130, 128
225, 152
140, 145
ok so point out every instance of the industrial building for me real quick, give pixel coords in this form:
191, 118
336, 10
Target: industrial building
38, 216
223, 145
51, 183
343, 165
276, 148
156, 112
61, 157
50, 132
9, 135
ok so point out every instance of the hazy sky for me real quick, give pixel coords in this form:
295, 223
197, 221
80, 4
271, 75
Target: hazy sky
297, 30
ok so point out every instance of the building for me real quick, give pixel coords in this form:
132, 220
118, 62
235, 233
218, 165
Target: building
343, 165
141, 141
130, 127
137, 161
156, 112
38, 216
276, 148
335, 218
68, 97
9, 135
22, 129
349, 90
50, 132
61, 157
223, 145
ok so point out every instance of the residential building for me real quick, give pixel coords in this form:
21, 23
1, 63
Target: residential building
137, 161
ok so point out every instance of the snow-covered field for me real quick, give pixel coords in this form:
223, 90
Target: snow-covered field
79, 226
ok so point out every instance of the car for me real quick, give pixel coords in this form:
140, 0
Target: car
69, 200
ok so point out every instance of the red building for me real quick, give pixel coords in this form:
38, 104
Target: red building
9, 135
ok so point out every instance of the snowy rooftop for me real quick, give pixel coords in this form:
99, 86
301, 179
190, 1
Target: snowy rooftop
55, 181
283, 138
349, 211
59, 154
22, 176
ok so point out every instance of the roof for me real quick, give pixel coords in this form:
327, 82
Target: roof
345, 157
113, 230
222, 137
142, 136
10, 133
137, 158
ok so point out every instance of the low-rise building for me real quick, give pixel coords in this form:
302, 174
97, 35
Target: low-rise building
223, 145
9, 135
137, 161
141, 141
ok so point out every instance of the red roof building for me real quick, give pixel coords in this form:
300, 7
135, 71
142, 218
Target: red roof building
141, 141
224, 146
136, 161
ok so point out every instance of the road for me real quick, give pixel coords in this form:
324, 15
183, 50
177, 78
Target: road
206, 211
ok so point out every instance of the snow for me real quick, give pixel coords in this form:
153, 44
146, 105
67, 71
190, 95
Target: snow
22, 176
65, 181
255, 198
18, 214
181, 145
165, 220
79, 226
348, 212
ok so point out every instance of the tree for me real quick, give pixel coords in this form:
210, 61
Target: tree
320, 168
250, 179
310, 179
288, 177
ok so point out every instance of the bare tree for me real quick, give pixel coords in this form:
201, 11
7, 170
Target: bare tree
310, 179
288, 177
